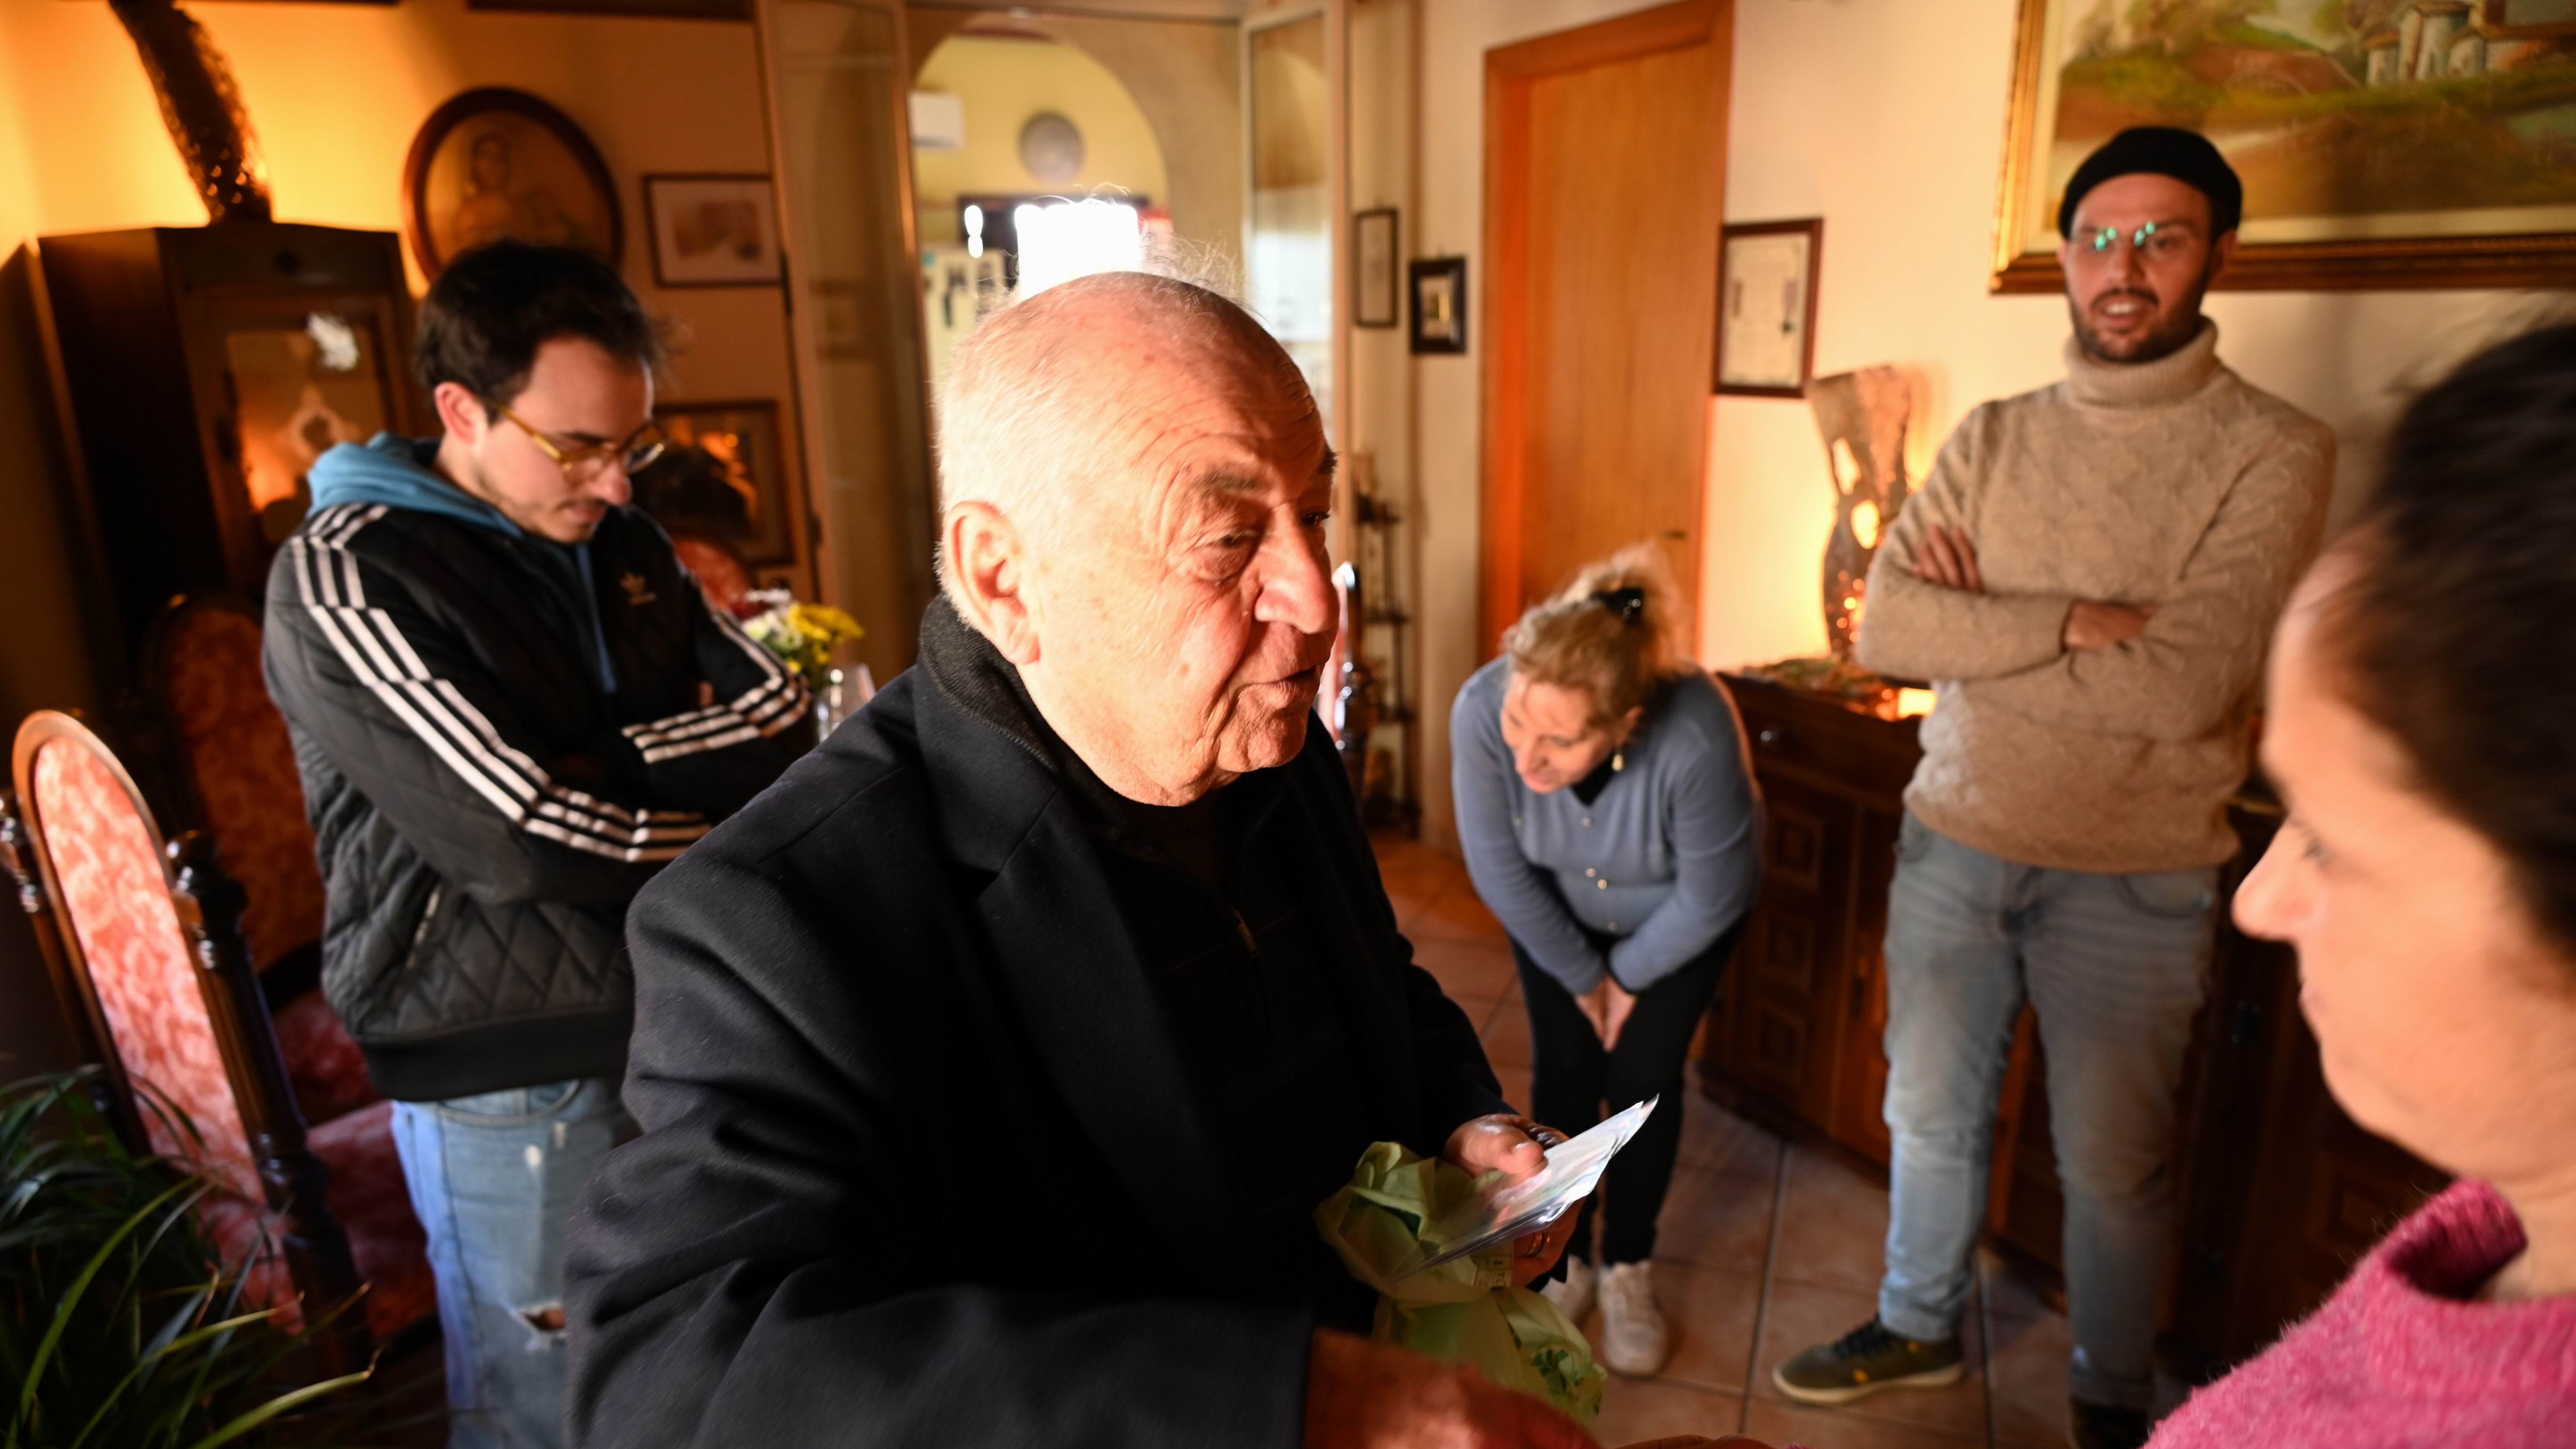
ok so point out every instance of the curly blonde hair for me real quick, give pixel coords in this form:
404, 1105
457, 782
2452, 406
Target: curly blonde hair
1608, 633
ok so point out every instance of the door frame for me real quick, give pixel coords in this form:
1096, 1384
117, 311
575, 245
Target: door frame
1510, 73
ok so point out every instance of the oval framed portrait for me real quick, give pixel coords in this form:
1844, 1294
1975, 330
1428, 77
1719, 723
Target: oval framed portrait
496, 163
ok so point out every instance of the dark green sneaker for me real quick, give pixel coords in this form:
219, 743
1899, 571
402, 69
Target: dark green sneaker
2108, 1426
1866, 1360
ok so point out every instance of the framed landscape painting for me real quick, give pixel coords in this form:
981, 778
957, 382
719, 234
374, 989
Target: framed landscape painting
2383, 143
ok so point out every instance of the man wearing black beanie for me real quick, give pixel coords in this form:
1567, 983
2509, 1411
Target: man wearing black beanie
2089, 577
2139, 255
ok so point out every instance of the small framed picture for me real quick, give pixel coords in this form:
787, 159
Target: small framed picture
713, 231
1766, 307
722, 476
1373, 253
1440, 305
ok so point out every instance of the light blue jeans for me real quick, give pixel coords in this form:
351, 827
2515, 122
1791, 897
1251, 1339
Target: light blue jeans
493, 1178
2114, 965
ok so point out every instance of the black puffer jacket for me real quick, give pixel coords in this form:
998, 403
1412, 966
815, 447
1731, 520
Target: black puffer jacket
485, 800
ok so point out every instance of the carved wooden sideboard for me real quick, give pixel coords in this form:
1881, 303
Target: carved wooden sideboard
2278, 1190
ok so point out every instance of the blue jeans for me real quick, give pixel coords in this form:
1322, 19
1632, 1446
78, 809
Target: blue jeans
493, 1178
2114, 966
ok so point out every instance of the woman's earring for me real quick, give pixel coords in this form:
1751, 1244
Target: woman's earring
1618, 759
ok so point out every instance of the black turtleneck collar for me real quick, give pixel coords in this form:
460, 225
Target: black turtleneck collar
972, 673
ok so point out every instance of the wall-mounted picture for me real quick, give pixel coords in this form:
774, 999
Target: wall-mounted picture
1374, 299
1766, 306
724, 476
713, 231
2383, 143
496, 163
1439, 297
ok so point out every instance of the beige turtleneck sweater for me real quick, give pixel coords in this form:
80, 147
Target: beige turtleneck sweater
2173, 483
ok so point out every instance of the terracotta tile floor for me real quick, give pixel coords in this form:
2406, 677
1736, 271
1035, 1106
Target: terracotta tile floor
1765, 1248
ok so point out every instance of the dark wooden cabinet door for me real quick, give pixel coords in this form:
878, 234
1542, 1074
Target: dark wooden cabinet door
1789, 968
1860, 1088
2280, 1190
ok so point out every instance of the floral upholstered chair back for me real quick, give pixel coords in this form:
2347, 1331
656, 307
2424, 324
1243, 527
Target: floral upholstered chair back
242, 766
102, 858
203, 665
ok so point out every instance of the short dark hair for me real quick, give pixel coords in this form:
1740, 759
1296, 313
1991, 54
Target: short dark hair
487, 314
2457, 634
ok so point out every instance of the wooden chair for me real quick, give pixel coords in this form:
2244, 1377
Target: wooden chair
144, 944
234, 765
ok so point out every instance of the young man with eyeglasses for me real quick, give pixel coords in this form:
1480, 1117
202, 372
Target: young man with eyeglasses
2089, 575
511, 707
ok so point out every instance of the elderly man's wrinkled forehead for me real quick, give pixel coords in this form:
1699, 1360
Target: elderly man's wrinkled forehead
1133, 367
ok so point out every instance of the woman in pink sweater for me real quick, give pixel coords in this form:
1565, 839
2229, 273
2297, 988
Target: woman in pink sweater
2422, 732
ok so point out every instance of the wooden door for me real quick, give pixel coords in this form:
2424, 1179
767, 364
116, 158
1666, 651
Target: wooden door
1605, 159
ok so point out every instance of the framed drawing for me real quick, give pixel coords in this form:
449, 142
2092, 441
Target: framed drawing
496, 163
1766, 306
724, 476
1439, 304
1373, 252
2383, 143
713, 231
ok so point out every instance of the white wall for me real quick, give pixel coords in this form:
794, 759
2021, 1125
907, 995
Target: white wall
1886, 118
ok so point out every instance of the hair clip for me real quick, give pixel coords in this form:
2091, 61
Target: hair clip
1629, 603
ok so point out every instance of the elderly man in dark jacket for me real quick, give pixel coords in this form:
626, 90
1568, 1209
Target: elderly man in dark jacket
992, 1066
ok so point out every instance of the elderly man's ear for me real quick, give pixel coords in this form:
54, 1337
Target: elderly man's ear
984, 562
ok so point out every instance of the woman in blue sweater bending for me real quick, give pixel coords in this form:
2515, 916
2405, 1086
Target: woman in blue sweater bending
1610, 821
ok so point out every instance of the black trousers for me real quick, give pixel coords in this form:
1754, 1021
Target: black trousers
1572, 1079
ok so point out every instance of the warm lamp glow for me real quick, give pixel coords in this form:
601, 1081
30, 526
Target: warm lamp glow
1911, 703
1865, 523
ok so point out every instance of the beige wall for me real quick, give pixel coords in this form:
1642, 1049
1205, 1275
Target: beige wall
1886, 118
1001, 84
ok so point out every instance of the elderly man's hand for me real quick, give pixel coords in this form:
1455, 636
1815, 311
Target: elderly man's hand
1516, 1147
1364, 1395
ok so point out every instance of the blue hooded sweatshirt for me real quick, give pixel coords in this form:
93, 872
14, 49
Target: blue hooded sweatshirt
395, 471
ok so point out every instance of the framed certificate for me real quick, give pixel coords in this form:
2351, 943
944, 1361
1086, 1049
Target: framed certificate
1374, 282
1766, 307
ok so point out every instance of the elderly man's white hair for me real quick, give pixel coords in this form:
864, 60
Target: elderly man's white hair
1020, 419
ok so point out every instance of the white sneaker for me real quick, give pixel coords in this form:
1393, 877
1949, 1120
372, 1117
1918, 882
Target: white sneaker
1573, 1297
1633, 1339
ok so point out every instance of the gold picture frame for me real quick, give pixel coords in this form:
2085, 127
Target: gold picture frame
2363, 250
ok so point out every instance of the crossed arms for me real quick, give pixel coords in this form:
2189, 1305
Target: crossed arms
2170, 668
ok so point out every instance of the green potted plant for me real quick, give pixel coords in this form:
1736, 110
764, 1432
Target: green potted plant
121, 1326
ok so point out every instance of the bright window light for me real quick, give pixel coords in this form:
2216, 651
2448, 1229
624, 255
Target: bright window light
1062, 240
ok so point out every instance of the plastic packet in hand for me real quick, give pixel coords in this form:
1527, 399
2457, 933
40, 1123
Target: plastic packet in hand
1465, 1311
1500, 1211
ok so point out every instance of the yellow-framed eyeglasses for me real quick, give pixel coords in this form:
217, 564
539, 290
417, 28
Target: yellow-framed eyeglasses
582, 462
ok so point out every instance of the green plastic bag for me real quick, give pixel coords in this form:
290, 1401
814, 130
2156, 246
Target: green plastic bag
1466, 1310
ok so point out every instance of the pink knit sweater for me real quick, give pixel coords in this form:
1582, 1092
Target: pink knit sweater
2403, 1355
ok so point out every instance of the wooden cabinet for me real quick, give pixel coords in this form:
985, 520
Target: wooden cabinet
201, 371
2278, 1190
1795, 1038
